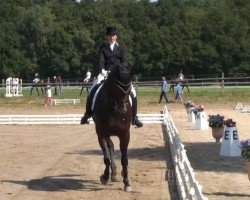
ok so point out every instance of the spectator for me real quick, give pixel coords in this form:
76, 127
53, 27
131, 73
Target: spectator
178, 92
163, 90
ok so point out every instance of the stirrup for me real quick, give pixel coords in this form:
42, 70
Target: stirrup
137, 123
85, 120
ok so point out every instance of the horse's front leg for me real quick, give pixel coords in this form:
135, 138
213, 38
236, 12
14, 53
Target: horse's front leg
31, 90
81, 91
124, 161
105, 176
37, 91
113, 166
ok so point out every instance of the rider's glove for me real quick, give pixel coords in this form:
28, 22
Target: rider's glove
104, 72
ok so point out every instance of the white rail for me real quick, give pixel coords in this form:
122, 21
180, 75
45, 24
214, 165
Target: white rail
188, 187
244, 108
67, 119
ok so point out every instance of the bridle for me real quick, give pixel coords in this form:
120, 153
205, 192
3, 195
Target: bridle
120, 85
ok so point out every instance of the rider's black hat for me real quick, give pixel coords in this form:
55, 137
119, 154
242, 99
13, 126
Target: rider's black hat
111, 30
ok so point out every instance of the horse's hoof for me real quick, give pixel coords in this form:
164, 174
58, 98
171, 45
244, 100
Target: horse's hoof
127, 188
103, 180
122, 174
114, 178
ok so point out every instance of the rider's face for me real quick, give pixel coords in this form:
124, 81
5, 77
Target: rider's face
112, 38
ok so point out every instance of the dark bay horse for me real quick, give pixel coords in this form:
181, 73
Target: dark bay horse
174, 82
88, 84
40, 84
112, 116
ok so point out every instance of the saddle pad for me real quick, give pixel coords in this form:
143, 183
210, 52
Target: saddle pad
95, 96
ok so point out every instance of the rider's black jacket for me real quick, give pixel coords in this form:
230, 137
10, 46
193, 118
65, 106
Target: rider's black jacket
108, 58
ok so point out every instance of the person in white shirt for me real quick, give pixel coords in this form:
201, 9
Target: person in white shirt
48, 100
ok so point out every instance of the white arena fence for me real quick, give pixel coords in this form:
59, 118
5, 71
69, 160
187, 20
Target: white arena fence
67, 119
65, 101
188, 187
244, 108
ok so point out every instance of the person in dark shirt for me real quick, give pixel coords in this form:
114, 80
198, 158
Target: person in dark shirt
111, 54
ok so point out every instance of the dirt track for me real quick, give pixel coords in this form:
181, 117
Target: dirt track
65, 162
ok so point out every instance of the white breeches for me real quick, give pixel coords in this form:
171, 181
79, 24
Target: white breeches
99, 78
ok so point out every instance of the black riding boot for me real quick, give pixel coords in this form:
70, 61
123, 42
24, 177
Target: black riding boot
88, 112
135, 120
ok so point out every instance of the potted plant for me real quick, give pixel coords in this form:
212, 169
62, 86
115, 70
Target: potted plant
229, 123
216, 122
197, 109
245, 153
188, 104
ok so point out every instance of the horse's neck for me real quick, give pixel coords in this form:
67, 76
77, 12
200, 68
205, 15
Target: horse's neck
112, 95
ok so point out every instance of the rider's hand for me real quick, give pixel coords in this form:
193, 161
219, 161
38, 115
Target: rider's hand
104, 72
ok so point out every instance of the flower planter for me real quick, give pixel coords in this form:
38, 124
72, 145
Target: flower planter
201, 121
217, 133
245, 154
191, 115
230, 145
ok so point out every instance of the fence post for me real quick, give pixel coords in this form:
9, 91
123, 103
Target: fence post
136, 80
222, 82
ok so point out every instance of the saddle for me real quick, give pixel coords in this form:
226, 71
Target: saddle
94, 93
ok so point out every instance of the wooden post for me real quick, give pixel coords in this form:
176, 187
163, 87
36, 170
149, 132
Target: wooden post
222, 82
136, 80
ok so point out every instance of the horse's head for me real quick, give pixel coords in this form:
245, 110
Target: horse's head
121, 77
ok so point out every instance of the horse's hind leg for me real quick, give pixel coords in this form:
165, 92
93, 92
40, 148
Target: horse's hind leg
42, 90
31, 91
113, 166
105, 176
124, 162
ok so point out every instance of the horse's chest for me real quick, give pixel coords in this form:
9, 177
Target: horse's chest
115, 112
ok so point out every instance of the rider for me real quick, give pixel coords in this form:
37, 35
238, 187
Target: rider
36, 79
87, 77
109, 55
181, 76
